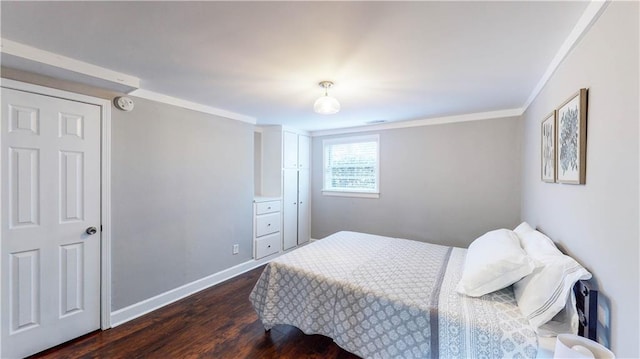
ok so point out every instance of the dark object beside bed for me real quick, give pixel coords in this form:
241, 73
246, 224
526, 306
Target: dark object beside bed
587, 305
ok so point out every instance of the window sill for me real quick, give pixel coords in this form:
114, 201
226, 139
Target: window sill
351, 194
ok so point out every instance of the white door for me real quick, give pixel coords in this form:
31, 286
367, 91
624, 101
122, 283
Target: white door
289, 150
304, 152
290, 209
50, 264
304, 230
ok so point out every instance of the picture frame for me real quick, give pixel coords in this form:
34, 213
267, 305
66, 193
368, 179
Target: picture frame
571, 139
548, 148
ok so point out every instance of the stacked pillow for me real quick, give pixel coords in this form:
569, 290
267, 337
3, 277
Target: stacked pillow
494, 261
541, 275
549, 289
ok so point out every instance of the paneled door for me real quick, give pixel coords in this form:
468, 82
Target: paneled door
304, 207
50, 217
290, 209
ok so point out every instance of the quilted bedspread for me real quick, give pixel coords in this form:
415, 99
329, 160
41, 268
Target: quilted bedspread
381, 297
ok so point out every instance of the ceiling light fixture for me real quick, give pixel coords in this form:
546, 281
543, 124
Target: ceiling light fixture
326, 104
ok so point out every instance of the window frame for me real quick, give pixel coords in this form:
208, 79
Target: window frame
364, 193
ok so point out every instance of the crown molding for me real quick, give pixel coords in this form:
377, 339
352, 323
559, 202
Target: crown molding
588, 18
478, 116
32, 59
158, 97
58, 66
69, 68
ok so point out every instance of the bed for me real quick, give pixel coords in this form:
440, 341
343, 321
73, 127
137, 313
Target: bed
382, 297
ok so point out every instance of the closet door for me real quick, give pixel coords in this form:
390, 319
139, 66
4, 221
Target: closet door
290, 209
304, 208
50, 221
304, 152
290, 150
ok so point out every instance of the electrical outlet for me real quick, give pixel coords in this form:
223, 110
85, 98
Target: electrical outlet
236, 248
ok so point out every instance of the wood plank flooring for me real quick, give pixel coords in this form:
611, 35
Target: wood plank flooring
218, 322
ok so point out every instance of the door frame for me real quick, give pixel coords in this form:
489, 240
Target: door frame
105, 184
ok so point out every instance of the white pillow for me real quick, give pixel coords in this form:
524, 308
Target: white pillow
536, 244
547, 291
494, 261
523, 228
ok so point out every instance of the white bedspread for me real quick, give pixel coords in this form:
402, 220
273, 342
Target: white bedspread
381, 297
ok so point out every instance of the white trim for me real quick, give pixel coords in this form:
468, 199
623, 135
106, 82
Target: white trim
350, 194
588, 18
67, 63
351, 139
155, 96
131, 312
105, 190
280, 128
295, 130
62, 62
1, 224
105, 226
514, 112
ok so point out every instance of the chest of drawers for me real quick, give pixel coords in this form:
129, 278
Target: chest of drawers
267, 221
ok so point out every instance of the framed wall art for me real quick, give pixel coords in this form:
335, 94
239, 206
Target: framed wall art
548, 155
571, 139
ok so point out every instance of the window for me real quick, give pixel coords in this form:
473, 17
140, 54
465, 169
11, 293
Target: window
351, 166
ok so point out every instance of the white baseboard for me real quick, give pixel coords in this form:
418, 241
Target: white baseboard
148, 305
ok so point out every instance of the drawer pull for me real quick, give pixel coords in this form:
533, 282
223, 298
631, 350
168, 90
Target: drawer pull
268, 224
269, 246
268, 207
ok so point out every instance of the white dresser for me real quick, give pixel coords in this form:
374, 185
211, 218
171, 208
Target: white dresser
267, 221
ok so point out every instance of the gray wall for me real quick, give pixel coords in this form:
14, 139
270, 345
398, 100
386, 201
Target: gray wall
444, 184
182, 184
182, 193
597, 223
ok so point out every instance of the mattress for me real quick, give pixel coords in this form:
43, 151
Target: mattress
382, 297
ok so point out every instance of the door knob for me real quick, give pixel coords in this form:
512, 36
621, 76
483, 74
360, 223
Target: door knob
91, 231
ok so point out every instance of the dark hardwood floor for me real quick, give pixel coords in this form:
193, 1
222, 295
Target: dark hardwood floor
218, 322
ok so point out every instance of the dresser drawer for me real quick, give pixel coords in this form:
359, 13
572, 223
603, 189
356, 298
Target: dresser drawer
267, 245
267, 207
267, 223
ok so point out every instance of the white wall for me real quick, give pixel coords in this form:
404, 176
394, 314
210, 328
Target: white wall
445, 184
597, 223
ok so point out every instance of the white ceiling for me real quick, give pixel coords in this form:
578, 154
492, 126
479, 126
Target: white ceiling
390, 61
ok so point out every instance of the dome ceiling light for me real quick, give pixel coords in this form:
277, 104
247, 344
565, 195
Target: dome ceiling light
326, 104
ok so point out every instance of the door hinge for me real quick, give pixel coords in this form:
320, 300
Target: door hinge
100, 228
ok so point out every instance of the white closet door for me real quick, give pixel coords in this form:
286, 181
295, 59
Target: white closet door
304, 207
50, 221
290, 209
304, 152
290, 150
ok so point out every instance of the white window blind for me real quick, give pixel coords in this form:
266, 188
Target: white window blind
351, 164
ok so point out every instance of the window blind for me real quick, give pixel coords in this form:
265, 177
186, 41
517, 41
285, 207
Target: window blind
351, 164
